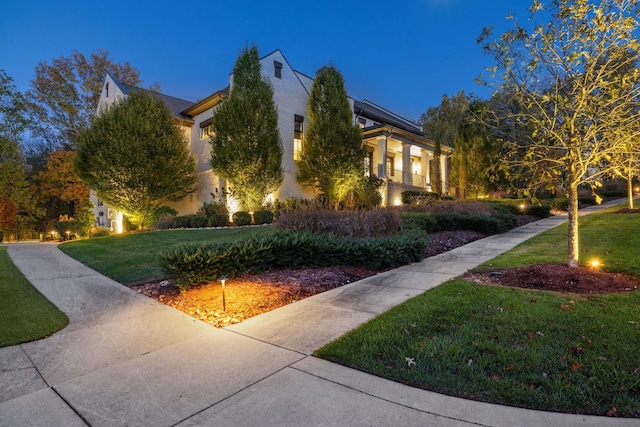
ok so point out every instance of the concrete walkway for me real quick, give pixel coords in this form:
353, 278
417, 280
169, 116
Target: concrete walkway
126, 360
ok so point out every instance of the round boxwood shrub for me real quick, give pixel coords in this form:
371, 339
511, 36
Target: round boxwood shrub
218, 220
262, 217
198, 221
181, 221
241, 218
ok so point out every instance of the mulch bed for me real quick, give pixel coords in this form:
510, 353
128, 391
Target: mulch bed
558, 278
251, 295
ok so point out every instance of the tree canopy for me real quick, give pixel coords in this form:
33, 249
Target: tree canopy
64, 94
135, 156
332, 159
572, 83
246, 148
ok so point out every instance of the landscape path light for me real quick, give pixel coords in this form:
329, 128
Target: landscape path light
222, 280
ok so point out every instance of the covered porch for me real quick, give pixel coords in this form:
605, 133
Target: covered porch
402, 158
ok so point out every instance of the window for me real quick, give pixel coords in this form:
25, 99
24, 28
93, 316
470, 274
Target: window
298, 131
362, 122
206, 129
106, 87
390, 169
277, 69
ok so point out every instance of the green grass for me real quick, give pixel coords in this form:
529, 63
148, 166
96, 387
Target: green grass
613, 239
515, 346
25, 315
129, 258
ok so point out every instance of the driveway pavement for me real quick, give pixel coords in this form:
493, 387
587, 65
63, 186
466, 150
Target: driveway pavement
126, 360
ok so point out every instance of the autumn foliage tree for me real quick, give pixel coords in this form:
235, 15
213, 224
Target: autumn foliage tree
135, 157
61, 190
574, 81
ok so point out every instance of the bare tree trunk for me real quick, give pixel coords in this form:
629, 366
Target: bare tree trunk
463, 178
630, 190
573, 259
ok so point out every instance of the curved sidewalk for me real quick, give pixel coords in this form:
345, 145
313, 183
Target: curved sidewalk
125, 359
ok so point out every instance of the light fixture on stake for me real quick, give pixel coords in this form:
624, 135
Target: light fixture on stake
222, 280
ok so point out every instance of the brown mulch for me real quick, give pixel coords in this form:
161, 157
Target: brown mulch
250, 295
627, 211
558, 278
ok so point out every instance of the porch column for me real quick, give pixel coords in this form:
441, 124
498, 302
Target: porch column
382, 157
406, 165
424, 167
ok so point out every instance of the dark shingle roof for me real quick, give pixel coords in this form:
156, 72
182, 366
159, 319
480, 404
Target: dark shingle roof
378, 114
176, 105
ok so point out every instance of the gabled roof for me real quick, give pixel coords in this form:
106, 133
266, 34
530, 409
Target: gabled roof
176, 105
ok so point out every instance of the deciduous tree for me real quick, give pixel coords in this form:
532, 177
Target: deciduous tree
61, 192
332, 158
136, 157
562, 73
246, 148
65, 94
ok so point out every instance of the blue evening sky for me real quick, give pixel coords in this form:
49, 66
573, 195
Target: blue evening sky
403, 55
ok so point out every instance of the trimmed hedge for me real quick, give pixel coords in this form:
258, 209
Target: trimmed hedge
411, 197
193, 264
541, 211
262, 217
190, 221
218, 220
241, 218
438, 221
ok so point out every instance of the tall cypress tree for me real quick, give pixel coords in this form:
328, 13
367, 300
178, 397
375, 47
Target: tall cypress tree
332, 159
246, 148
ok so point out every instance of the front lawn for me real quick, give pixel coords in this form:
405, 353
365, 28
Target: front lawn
559, 352
130, 258
25, 314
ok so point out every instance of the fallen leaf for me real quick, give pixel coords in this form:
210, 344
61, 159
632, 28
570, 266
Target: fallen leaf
612, 412
575, 366
621, 389
410, 361
510, 368
564, 307
531, 335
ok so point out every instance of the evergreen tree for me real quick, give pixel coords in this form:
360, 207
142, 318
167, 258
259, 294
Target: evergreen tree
135, 157
246, 148
332, 158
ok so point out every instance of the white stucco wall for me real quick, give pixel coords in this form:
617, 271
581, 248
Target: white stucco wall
290, 96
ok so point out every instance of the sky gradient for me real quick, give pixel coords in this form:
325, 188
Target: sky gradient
402, 55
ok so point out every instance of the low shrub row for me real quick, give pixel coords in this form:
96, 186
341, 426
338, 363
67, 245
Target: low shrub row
193, 264
356, 224
213, 220
432, 222
412, 197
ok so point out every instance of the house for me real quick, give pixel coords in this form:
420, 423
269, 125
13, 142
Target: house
397, 149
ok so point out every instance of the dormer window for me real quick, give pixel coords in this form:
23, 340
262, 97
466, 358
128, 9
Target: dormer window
277, 69
106, 88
